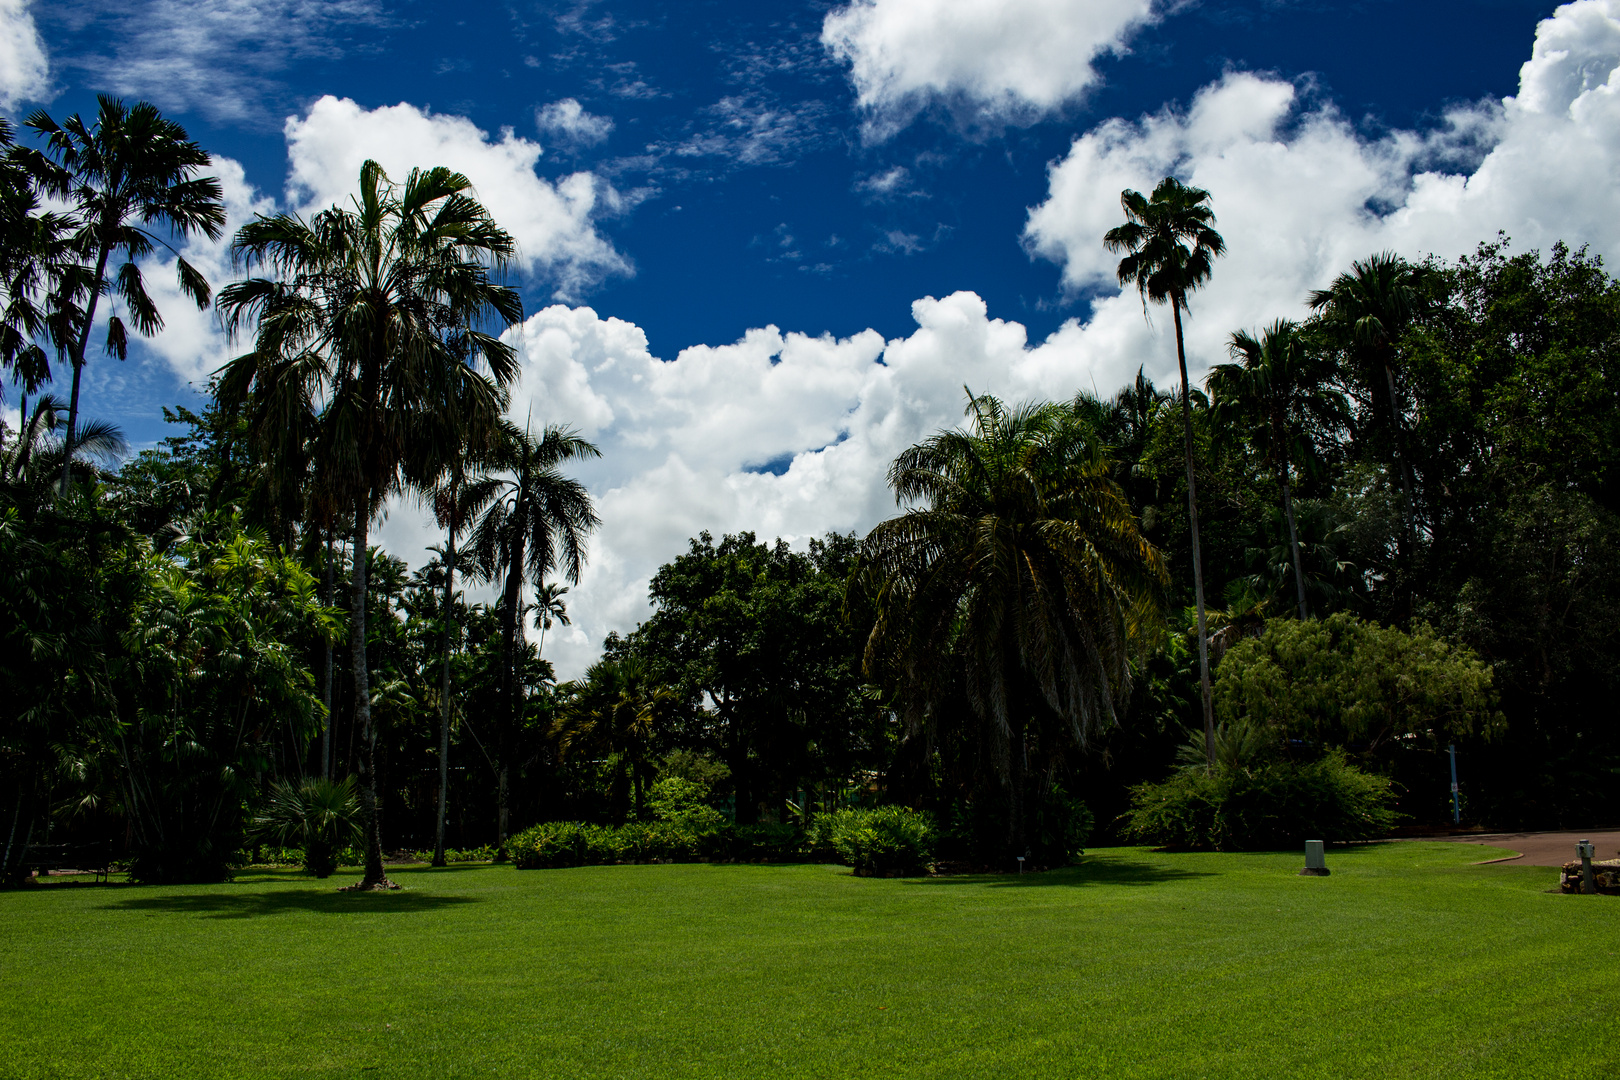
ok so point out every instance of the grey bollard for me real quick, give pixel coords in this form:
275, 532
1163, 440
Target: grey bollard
1585, 850
1315, 860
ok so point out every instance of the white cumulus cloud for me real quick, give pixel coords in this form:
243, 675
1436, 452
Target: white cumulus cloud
568, 122
781, 433
191, 342
553, 223
24, 70
1299, 192
992, 61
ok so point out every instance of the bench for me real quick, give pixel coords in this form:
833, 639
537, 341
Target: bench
91, 858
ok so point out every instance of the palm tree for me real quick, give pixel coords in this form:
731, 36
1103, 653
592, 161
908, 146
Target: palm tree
550, 608
455, 503
369, 313
1376, 301
459, 434
1171, 248
618, 709
38, 279
130, 170
1016, 585
1269, 401
536, 523
30, 462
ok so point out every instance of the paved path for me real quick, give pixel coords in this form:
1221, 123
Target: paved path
1541, 848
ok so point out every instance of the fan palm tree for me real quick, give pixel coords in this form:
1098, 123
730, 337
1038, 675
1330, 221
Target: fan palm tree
1019, 577
1269, 401
1170, 248
1376, 301
368, 314
537, 522
129, 170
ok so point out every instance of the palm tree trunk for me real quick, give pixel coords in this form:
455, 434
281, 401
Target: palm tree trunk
1197, 556
514, 614
444, 676
326, 678
374, 878
77, 359
1293, 536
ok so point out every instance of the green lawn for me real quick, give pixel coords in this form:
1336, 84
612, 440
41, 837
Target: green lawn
1406, 962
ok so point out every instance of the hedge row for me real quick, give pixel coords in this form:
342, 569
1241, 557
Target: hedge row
890, 839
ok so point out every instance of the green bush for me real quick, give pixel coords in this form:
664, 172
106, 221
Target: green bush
554, 844
1276, 804
684, 803
889, 839
873, 841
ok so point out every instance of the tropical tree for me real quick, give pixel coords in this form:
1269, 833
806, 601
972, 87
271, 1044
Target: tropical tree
319, 815
619, 710
763, 644
455, 502
129, 170
29, 461
367, 314
1270, 401
39, 282
1018, 583
1375, 302
1170, 247
550, 609
211, 686
537, 522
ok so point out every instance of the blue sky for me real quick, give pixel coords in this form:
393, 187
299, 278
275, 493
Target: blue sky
924, 180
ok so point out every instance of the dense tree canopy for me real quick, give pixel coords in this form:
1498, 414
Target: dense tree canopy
1402, 499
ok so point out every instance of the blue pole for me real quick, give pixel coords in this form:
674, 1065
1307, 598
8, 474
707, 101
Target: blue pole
1456, 809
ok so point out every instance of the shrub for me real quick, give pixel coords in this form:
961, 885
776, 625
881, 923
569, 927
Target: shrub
886, 840
553, 844
1276, 804
548, 845
683, 802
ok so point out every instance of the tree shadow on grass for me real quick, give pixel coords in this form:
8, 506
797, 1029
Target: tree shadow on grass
245, 905
1092, 870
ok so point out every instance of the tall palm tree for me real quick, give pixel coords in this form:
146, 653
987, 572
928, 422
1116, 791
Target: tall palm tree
456, 503
1016, 580
1376, 301
130, 170
536, 523
39, 281
550, 609
368, 313
1270, 400
1171, 247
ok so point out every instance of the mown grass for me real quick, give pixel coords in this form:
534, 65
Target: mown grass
1406, 962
